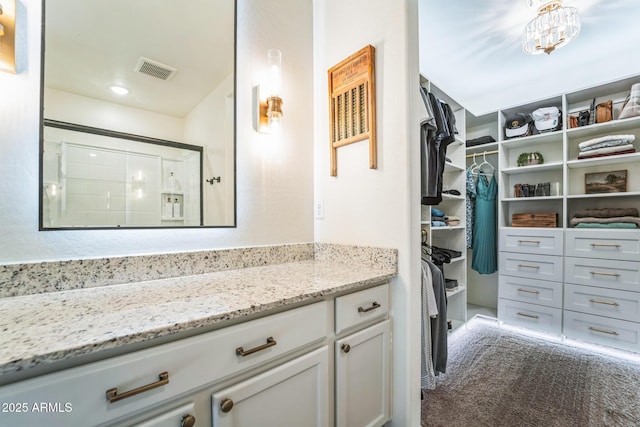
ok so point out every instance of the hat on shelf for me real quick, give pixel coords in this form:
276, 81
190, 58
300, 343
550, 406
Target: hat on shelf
547, 119
518, 125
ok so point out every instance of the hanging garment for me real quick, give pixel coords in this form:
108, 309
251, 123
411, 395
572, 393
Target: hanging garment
484, 234
439, 328
429, 311
471, 207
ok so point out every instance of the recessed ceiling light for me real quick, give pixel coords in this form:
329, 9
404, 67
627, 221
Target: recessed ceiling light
120, 90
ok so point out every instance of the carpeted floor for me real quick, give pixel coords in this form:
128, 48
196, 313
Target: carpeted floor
499, 377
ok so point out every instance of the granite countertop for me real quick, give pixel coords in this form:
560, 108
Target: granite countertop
46, 328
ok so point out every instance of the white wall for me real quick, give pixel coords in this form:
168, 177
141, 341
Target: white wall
274, 177
377, 207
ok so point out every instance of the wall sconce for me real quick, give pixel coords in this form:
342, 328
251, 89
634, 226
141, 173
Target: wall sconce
138, 184
269, 111
8, 35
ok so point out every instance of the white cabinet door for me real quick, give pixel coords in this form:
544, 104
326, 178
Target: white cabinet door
292, 394
363, 377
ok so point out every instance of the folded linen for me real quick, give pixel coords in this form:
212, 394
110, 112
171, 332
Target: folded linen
587, 154
438, 224
591, 220
606, 212
605, 144
610, 225
594, 141
606, 150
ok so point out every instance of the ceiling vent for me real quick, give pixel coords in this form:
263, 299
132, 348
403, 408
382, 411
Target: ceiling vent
155, 69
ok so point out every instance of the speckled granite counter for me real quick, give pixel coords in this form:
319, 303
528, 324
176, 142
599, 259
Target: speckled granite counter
45, 328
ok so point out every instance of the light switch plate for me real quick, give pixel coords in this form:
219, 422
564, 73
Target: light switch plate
319, 209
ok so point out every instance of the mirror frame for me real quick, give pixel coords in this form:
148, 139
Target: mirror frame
141, 138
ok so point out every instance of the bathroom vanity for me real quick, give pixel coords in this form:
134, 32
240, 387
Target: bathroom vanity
299, 343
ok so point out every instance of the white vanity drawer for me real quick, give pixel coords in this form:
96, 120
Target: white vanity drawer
543, 292
189, 362
542, 267
624, 275
604, 244
602, 330
602, 302
532, 241
360, 307
539, 317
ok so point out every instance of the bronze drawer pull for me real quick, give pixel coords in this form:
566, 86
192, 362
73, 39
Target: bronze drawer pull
595, 301
537, 267
600, 273
528, 291
226, 405
113, 396
532, 316
373, 307
591, 328
242, 352
610, 245
537, 242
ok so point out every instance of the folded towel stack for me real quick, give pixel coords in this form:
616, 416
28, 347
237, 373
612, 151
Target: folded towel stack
610, 145
606, 218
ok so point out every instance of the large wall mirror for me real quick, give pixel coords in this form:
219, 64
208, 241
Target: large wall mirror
138, 126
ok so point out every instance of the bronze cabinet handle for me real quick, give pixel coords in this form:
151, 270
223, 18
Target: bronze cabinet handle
602, 331
537, 242
373, 307
610, 245
242, 352
188, 421
537, 267
528, 291
527, 315
346, 348
595, 301
226, 405
601, 273
113, 396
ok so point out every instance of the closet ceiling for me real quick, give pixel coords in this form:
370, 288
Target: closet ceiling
472, 50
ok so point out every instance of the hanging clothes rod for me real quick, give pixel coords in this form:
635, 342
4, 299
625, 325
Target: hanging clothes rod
480, 153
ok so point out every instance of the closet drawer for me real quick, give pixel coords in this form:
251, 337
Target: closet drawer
532, 241
542, 267
542, 292
602, 302
189, 363
624, 275
360, 307
602, 330
604, 244
539, 317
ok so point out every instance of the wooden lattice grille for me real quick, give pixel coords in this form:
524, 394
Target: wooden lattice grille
352, 104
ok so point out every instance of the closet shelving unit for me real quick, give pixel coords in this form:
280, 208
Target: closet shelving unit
452, 237
569, 281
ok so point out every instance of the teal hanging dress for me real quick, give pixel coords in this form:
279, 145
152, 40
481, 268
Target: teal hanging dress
485, 230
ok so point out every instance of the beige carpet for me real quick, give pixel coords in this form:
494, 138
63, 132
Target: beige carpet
498, 377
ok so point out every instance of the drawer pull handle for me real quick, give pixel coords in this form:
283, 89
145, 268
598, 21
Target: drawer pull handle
226, 405
188, 421
532, 316
242, 352
537, 242
113, 396
595, 301
373, 307
591, 328
609, 245
528, 291
346, 348
537, 267
600, 273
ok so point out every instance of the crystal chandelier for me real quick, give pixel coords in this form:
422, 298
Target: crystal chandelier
554, 27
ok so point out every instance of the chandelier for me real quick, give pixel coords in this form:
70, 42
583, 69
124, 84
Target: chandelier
554, 27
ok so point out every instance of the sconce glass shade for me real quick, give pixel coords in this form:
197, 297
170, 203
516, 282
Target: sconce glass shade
274, 62
554, 27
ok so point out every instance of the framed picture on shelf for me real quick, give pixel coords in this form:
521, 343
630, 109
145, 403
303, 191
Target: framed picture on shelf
605, 182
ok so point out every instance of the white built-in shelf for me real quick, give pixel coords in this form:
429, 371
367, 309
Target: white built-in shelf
446, 196
448, 228
608, 160
460, 289
451, 167
458, 259
172, 218
598, 129
458, 141
590, 196
479, 149
533, 140
533, 168
177, 193
530, 199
